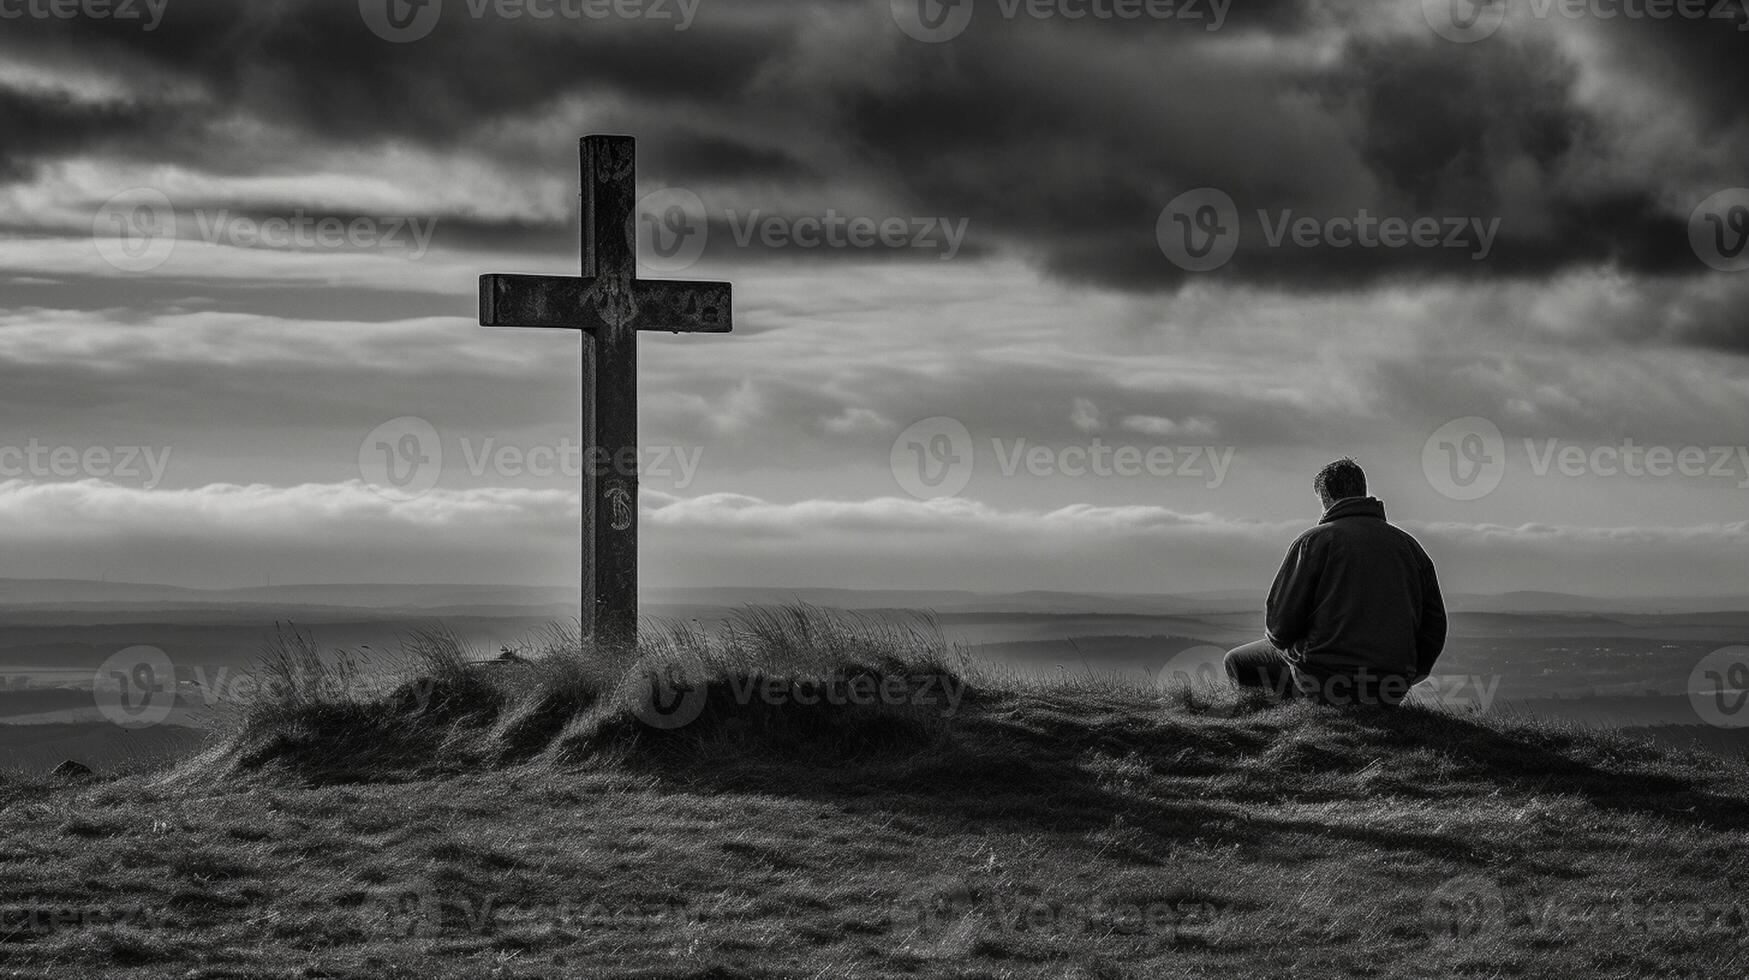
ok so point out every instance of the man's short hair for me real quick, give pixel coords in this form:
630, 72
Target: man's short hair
1341, 479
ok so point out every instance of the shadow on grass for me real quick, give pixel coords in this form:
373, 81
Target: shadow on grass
1609, 772
1091, 762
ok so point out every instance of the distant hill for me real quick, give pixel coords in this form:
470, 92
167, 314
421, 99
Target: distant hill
85, 596
61, 593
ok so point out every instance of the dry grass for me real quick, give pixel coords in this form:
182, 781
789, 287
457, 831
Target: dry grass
522, 820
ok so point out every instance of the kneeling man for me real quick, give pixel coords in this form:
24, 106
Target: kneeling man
1355, 615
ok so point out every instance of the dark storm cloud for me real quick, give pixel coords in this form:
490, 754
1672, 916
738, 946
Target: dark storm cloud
38, 126
1444, 124
313, 66
1437, 120
684, 156
1059, 140
1706, 60
1440, 130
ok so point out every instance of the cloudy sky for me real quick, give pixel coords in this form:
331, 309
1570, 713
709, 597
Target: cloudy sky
1137, 277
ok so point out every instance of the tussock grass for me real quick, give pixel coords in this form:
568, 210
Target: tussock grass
526, 818
771, 680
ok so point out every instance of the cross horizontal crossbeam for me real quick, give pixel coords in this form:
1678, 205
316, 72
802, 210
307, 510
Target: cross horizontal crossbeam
656, 305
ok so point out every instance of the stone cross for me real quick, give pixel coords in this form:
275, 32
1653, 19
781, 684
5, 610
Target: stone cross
609, 304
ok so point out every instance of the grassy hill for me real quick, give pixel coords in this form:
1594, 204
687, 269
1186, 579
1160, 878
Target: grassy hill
808, 796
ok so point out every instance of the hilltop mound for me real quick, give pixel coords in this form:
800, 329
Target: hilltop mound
806, 795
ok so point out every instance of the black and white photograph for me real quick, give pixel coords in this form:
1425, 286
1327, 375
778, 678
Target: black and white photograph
839, 489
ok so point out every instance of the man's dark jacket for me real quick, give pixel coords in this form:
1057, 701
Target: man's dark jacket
1357, 595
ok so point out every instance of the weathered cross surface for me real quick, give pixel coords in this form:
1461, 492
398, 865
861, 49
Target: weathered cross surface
609, 304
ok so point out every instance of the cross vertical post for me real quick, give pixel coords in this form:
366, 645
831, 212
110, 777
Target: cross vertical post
609, 304
610, 257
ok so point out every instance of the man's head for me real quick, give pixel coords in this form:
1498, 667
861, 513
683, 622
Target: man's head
1339, 480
